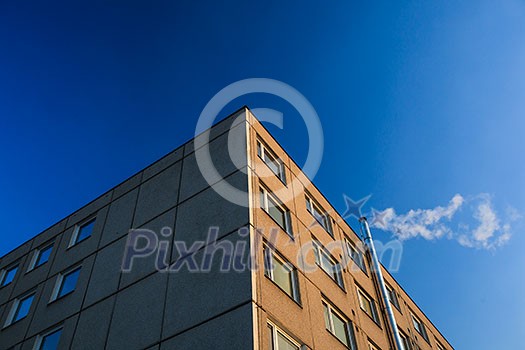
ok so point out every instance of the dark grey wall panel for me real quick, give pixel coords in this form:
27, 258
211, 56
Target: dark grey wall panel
136, 322
212, 292
120, 217
232, 330
157, 195
106, 272
196, 215
127, 185
163, 163
144, 266
93, 326
224, 162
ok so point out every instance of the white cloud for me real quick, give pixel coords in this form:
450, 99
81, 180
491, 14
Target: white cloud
489, 232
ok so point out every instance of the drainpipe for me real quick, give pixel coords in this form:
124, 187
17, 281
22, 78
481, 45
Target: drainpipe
367, 236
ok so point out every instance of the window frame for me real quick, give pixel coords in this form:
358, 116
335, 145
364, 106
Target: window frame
423, 330
278, 330
41, 337
319, 214
337, 274
352, 250
405, 340
349, 326
59, 284
264, 152
361, 294
76, 231
38, 253
264, 197
5, 272
270, 254
393, 297
15, 308
372, 346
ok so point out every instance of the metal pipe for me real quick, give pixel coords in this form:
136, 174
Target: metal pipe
365, 231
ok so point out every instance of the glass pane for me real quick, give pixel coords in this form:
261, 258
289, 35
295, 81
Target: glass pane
365, 304
272, 163
284, 344
85, 231
23, 308
340, 329
270, 337
50, 341
69, 283
282, 276
9, 276
275, 212
43, 255
327, 318
328, 265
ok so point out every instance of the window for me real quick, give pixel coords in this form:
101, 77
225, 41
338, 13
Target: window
41, 256
277, 211
440, 347
49, 341
8, 275
82, 232
392, 296
66, 284
273, 162
281, 272
356, 255
368, 305
279, 340
320, 215
404, 341
419, 327
328, 263
338, 325
20, 309
372, 346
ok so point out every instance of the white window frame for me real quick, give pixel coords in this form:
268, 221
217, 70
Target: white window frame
278, 204
336, 275
3, 274
73, 241
40, 337
373, 307
270, 253
275, 331
348, 324
352, 251
392, 294
372, 346
60, 281
264, 152
36, 255
405, 340
423, 331
319, 214
14, 308
439, 345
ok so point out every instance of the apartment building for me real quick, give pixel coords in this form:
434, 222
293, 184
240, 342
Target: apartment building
297, 276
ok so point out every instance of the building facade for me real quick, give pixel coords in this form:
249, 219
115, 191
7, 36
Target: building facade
167, 260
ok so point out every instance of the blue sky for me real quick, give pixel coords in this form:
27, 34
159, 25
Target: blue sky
418, 103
